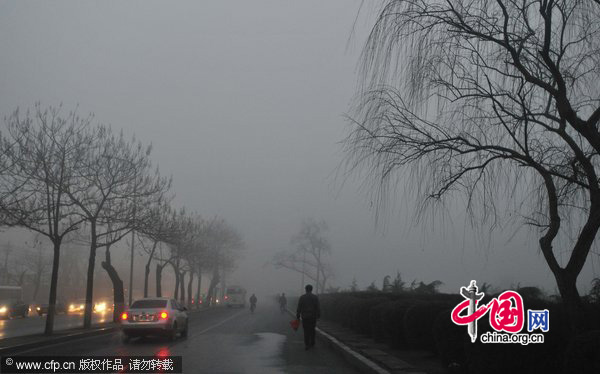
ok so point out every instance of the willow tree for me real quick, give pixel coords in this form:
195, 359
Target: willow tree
496, 100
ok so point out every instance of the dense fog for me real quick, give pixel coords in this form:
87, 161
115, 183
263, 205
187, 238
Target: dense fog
245, 107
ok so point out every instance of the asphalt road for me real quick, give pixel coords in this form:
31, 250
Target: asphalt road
221, 340
35, 324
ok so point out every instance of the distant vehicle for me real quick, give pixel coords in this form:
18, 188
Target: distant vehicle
42, 309
235, 296
154, 316
103, 306
77, 307
100, 306
11, 302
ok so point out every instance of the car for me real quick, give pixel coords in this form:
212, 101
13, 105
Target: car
42, 309
11, 302
100, 306
10, 308
76, 307
103, 306
154, 316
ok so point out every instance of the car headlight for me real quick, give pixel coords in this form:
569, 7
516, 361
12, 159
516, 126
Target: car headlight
38, 308
100, 307
3, 309
82, 306
71, 307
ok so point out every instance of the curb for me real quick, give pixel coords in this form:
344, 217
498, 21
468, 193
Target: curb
64, 338
359, 361
362, 363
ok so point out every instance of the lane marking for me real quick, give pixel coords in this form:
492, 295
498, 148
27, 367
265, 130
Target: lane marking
222, 322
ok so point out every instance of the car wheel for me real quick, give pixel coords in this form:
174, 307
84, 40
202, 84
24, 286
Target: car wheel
184, 333
173, 332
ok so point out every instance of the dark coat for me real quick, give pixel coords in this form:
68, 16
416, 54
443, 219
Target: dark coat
308, 307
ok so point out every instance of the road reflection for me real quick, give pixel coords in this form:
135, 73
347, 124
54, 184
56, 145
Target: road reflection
35, 325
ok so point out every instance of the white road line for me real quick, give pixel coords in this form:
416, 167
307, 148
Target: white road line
222, 322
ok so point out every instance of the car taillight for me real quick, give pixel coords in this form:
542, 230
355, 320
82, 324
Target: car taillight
124, 316
226, 297
164, 315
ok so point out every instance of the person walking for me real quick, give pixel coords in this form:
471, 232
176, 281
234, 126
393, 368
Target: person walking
282, 303
253, 301
309, 310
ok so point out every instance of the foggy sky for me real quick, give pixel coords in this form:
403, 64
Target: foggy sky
243, 102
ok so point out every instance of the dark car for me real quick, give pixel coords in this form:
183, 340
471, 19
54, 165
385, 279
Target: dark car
13, 308
42, 309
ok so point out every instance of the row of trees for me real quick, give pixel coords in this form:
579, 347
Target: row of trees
65, 178
396, 285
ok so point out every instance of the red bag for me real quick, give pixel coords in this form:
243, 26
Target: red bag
295, 324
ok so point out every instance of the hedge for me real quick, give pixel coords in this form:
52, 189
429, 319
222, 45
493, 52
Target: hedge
415, 321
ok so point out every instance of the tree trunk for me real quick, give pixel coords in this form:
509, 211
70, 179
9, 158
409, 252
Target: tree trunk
198, 292
37, 281
89, 290
118, 291
211, 287
176, 291
158, 280
189, 290
147, 269
567, 285
52, 296
146, 277
182, 289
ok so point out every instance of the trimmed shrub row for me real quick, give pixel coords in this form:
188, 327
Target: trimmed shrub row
423, 322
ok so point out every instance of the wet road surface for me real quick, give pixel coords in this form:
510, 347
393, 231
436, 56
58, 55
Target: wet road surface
222, 340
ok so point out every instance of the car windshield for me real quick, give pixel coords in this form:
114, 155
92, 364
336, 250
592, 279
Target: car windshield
139, 304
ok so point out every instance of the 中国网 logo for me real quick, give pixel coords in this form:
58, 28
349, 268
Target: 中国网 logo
506, 316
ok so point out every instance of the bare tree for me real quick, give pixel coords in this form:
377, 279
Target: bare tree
223, 244
495, 99
41, 150
161, 228
115, 189
307, 258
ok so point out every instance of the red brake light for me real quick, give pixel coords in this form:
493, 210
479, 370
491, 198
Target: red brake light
164, 315
124, 316
226, 297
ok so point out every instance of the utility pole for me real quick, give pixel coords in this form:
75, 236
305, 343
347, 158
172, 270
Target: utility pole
131, 270
132, 245
303, 268
7, 250
318, 268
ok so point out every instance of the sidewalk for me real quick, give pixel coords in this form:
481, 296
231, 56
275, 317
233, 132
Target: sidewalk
372, 357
